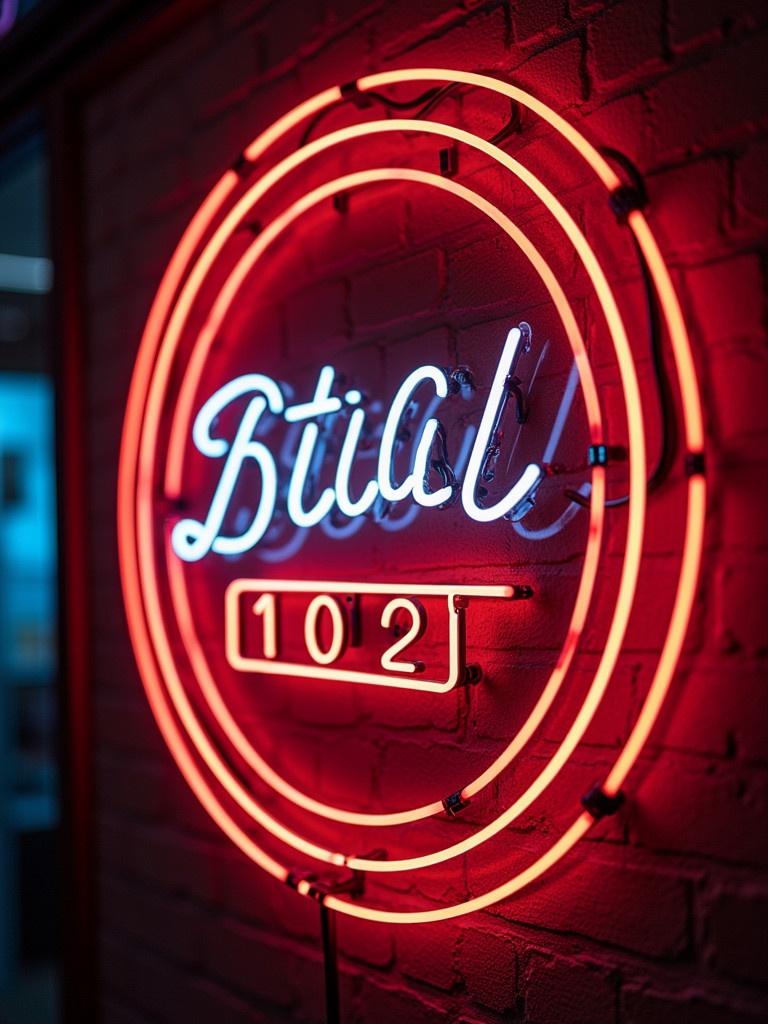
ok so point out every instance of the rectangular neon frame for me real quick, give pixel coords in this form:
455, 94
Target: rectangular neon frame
457, 597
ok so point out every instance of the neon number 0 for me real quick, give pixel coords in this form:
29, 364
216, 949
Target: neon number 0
418, 625
338, 627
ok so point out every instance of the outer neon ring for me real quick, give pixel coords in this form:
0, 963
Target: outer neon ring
183, 614
637, 505
694, 526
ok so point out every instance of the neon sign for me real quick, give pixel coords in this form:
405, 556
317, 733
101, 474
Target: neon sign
179, 554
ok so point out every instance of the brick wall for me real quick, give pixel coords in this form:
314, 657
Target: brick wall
659, 915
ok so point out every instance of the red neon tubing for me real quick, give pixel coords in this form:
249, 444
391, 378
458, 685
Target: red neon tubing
692, 544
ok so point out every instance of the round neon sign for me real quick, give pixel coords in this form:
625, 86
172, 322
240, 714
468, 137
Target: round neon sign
223, 443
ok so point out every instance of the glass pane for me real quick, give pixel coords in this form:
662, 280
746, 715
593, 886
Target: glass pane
29, 811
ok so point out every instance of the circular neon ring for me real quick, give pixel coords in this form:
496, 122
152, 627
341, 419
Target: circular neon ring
636, 512
179, 595
583, 718
694, 523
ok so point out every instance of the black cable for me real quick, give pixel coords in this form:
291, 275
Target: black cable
330, 965
426, 100
664, 395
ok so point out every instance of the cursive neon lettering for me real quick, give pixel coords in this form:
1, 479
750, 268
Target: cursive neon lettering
347, 506
192, 539
486, 436
392, 426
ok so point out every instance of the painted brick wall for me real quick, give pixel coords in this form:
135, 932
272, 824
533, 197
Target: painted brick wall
660, 915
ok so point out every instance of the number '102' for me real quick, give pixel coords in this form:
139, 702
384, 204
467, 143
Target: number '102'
267, 610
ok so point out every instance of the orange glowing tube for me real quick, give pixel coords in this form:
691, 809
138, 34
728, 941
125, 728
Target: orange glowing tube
152, 331
626, 366
144, 653
585, 149
130, 580
678, 626
546, 861
290, 120
681, 348
694, 530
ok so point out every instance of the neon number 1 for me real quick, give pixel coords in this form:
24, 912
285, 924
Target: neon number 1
266, 607
417, 627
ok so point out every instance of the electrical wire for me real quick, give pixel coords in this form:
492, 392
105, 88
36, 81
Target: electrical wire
636, 195
427, 101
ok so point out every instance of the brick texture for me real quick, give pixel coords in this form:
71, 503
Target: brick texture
660, 916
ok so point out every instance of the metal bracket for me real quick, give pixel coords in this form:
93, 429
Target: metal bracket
318, 888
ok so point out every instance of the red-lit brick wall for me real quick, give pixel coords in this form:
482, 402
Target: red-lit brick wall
660, 916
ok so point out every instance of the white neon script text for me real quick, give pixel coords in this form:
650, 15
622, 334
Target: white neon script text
192, 539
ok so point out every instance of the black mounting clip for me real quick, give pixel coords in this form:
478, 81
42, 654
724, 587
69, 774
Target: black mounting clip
341, 202
449, 162
455, 803
318, 888
600, 804
695, 464
352, 93
242, 166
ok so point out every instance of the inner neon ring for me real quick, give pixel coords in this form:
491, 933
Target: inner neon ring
637, 485
176, 577
693, 425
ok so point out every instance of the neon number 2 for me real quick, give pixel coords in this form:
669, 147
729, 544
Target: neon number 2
338, 630
417, 627
266, 607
